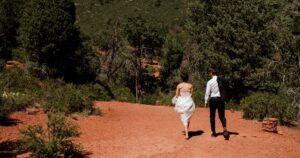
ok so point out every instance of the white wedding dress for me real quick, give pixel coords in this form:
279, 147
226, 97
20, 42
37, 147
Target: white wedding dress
185, 106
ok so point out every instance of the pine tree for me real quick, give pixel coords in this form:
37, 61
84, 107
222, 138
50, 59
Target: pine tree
238, 38
9, 16
50, 37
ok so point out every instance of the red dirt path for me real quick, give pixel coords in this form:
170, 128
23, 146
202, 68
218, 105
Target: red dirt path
139, 131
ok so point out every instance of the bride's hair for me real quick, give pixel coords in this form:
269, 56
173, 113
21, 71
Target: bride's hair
184, 77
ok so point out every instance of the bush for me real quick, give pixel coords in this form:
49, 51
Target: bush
94, 91
18, 54
232, 106
151, 98
281, 107
67, 98
166, 98
18, 81
122, 93
2, 64
17, 91
198, 96
54, 141
11, 102
260, 105
162, 97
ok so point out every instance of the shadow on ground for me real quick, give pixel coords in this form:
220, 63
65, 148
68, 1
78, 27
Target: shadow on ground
228, 136
194, 133
9, 149
4, 121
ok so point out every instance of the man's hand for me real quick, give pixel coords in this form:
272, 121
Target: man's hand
206, 105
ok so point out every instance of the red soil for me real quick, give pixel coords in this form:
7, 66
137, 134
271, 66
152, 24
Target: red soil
135, 130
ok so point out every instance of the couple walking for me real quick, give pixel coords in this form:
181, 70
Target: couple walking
214, 99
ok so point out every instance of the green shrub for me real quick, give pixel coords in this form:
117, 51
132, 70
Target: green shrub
281, 107
18, 81
38, 70
2, 64
54, 141
149, 98
17, 91
166, 98
94, 91
18, 54
198, 96
255, 106
67, 98
122, 93
260, 105
11, 102
232, 105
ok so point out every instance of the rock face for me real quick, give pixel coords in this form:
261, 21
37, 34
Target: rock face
270, 125
13, 63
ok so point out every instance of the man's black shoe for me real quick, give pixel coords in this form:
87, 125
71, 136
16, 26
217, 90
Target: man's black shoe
226, 135
213, 135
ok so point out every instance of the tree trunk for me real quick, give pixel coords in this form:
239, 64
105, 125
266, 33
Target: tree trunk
136, 81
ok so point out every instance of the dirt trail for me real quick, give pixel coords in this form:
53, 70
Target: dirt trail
140, 131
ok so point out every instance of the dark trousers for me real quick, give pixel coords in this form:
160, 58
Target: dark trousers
216, 103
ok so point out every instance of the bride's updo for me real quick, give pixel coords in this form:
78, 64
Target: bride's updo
184, 77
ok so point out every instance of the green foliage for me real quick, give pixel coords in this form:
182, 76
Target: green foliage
18, 90
122, 93
233, 106
168, 12
144, 35
146, 39
18, 54
255, 106
171, 60
9, 16
260, 105
239, 38
67, 98
198, 96
54, 141
149, 98
166, 98
94, 91
50, 37
2, 64
47, 30
112, 46
11, 102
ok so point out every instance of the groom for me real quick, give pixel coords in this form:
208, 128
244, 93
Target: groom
215, 101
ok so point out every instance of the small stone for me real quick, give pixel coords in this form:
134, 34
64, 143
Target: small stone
280, 132
31, 111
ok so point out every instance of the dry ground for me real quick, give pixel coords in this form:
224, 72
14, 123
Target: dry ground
140, 131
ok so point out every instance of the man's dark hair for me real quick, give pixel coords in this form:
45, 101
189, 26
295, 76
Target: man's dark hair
184, 77
212, 71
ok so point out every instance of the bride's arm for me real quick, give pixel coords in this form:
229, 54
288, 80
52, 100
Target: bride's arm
191, 90
177, 91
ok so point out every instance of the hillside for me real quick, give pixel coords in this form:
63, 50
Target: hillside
92, 15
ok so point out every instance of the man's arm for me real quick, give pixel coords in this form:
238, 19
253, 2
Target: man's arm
207, 93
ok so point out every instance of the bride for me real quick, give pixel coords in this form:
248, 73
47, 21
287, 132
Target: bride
184, 104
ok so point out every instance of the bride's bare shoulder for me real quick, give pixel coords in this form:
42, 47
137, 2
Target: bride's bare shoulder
189, 84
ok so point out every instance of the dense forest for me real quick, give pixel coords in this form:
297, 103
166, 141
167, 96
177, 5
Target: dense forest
63, 54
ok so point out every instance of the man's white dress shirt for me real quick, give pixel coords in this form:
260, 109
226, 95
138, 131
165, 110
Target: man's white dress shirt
212, 89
